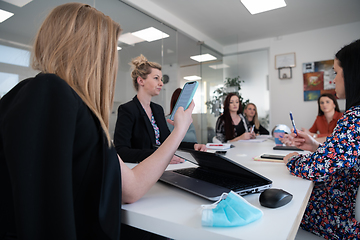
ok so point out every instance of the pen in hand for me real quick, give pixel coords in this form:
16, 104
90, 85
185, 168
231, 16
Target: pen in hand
293, 122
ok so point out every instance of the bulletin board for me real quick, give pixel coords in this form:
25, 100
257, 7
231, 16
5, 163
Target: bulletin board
318, 79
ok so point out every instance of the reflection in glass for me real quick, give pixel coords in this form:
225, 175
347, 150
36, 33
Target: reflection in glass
7, 82
14, 56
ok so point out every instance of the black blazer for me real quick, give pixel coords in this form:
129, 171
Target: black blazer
134, 136
58, 177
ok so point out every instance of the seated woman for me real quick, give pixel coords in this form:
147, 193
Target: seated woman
334, 165
328, 115
190, 135
231, 125
250, 113
68, 182
141, 124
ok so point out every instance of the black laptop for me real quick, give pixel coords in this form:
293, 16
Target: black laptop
214, 175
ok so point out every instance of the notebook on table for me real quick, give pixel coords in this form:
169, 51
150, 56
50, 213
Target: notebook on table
214, 175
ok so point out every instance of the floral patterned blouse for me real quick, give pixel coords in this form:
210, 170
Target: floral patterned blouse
156, 130
335, 169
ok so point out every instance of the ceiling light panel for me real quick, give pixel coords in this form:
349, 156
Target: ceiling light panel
19, 3
150, 34
130, 39
219, 66
258, 6
203, 58
192, 78
4, 15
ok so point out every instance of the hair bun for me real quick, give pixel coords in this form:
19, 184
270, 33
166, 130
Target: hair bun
136, 62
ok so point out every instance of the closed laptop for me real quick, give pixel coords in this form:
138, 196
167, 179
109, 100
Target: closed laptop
213, 175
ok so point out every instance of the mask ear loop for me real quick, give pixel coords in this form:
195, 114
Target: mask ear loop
213, 205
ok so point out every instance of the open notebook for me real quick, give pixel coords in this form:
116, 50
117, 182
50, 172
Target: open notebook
214, 175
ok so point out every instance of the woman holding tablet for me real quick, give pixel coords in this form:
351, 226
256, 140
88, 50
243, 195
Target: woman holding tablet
190, 134
141, 124
67, 182
334, 165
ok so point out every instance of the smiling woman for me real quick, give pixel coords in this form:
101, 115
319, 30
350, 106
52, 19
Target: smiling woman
251, 114
232, 125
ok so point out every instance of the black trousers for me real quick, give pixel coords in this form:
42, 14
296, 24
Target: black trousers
132, 233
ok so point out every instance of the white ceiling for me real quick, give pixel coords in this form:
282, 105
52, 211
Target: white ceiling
218, 23
228, 21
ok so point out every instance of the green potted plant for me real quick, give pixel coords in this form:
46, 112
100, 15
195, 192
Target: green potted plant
231, 85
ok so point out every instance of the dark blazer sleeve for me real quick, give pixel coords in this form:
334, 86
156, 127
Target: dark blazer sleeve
131, 137
40, 166
263, 131
134, 136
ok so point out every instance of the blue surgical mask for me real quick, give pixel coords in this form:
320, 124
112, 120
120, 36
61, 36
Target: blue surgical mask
231, 210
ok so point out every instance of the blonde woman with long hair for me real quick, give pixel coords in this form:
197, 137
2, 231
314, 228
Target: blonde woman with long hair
60, 175
251, 114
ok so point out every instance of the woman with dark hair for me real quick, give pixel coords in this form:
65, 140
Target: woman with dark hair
231, 125
334, 165
190, 135
328, 115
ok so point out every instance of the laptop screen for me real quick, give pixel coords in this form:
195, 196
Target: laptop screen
220, 163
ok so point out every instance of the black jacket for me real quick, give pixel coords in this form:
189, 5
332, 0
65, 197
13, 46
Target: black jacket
58, 177
134, 136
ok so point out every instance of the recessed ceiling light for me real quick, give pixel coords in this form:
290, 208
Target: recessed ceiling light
192, 78
150, 34
118, 48
19, 3
130, 39
258, 6
219, 66
4, 15
203, 57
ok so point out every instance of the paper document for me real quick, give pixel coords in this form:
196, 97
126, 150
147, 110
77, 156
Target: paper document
257, 140
218, 146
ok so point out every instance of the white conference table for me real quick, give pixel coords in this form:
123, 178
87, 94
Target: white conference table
175, 213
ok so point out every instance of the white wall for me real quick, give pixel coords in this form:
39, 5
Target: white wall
287, 95
252, 67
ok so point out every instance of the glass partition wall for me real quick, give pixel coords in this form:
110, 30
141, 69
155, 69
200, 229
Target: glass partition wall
18, 32
173, 52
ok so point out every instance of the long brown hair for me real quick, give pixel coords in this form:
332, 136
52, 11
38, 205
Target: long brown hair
141, 68
174, 98
229, 128
79, 44
256, 118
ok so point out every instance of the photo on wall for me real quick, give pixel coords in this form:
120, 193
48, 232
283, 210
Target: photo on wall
318, 79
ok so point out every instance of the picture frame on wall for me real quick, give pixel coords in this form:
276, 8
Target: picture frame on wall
285, 73
285, 60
